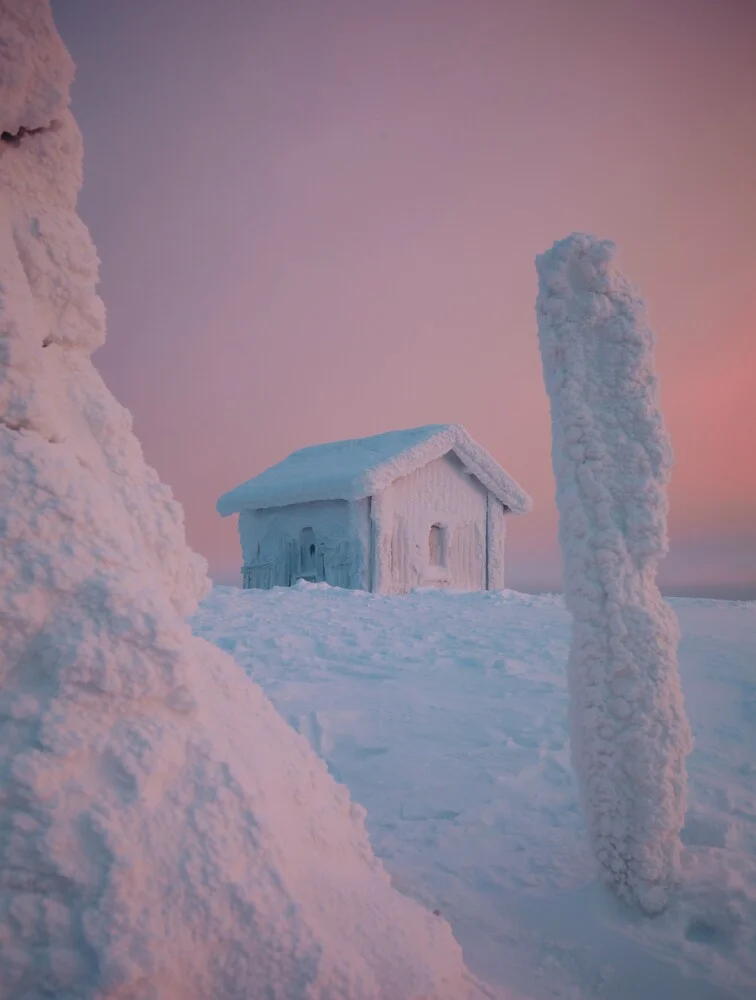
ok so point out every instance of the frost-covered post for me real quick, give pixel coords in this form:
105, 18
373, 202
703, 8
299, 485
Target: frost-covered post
612, 459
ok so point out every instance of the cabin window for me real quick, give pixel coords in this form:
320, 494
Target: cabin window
437, 545
307, 552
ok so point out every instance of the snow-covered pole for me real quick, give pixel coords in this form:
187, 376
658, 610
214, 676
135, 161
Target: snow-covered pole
612, 459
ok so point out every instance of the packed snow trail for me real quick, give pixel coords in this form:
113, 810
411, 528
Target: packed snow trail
612, 460
163, 832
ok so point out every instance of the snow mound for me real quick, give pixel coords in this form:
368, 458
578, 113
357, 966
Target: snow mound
163, 832
612, 459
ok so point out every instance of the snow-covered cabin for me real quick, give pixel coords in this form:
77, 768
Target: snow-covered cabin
413, 508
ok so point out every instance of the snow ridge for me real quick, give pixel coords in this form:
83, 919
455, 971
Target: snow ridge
163, 832
612, 459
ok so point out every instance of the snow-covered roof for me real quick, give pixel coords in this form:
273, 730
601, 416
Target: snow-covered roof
351, 470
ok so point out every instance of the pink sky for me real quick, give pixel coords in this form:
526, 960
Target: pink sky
319, 220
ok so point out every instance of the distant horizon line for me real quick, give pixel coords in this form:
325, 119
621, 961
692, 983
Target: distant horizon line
713, 591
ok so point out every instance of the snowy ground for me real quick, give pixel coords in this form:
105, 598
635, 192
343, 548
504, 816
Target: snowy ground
446, 715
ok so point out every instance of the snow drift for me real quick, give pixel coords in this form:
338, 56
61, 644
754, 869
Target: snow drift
612, 459
163, 832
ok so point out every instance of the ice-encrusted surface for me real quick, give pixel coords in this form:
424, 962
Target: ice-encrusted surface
163, 832
350, 470
612, 459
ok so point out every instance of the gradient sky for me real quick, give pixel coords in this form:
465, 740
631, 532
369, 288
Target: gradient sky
317, 219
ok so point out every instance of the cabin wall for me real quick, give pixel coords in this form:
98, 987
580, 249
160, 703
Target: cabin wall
497, 536
360, 542
443, 494
429, 528
306, 540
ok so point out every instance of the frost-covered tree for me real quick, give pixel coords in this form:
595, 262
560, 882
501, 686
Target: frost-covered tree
163, 832
612, 459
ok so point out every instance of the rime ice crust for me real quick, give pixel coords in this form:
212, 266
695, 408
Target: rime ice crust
36, 71
51, 321
352, 470
163, 832
612, 460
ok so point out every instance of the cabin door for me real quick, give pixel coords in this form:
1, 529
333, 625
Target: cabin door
311, 565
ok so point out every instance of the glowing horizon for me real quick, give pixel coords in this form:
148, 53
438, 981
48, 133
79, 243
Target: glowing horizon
321, 223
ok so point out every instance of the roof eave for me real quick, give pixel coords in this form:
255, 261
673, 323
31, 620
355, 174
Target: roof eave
228, 505
450, 438
480, 464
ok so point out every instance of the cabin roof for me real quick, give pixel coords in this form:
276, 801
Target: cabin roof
362, 467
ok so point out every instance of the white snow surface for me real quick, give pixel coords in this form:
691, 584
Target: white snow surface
36, 71
612, 459
446, 714
351, 470
163, 832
